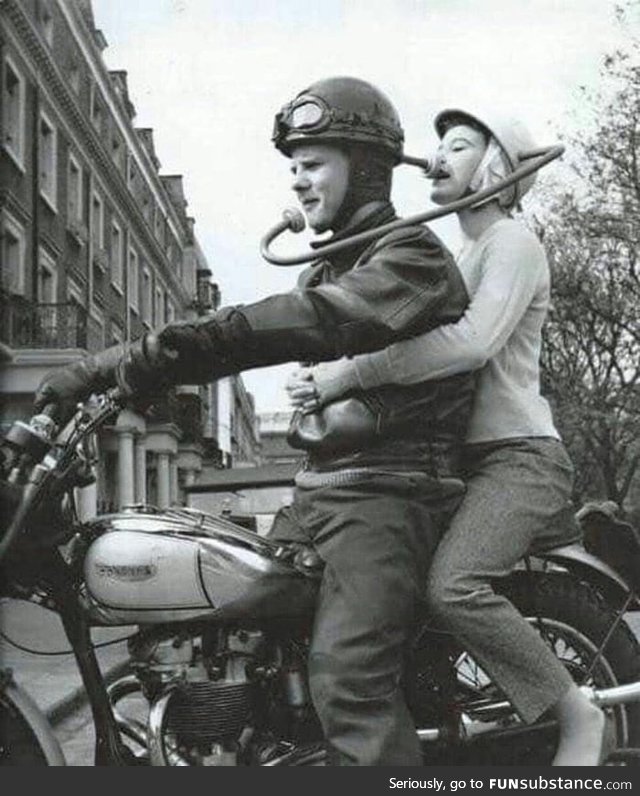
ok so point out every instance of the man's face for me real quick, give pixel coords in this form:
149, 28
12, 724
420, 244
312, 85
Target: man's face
459, 155
320, 180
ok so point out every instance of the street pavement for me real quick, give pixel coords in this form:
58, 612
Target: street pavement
52, 681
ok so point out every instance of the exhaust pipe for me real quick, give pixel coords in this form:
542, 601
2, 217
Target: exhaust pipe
150, 737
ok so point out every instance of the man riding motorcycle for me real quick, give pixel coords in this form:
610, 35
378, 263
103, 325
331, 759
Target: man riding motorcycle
373, 495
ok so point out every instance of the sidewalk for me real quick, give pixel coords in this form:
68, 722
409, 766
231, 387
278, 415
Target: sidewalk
53, 681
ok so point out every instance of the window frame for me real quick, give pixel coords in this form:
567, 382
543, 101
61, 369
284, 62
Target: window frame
170, 310
78, 217
146, 298
99, 244
18, 232
16, 153
97, 110
46, 20
158, 306
133, 271
117, 275
51, 196
48, 263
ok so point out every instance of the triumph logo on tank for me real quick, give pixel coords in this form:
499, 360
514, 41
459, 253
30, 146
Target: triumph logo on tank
128, 572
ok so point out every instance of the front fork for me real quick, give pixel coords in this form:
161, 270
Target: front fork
109, 751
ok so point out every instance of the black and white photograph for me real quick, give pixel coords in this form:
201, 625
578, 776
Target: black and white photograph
320, 388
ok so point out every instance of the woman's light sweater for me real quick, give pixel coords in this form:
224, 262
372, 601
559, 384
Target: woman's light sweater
507, 276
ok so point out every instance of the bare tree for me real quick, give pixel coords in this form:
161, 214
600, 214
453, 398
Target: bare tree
590, 226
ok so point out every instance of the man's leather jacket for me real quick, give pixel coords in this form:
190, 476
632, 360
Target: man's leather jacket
362, 299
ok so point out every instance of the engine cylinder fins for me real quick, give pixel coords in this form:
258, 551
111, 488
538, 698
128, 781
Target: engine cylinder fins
207, 712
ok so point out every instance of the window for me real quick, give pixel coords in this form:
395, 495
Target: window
117, 335
13, 101
12, 262
47, 160
74, 76
95, 341
47, 278
97, 223
75, 296
74, 190
159, 225
133, 175
170, 312
134, 276
45, 16
118, 152
158, 309
147, 205
98, 114
116, 256
147, 297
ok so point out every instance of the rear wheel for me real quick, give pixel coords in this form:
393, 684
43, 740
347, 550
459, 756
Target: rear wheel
575, 622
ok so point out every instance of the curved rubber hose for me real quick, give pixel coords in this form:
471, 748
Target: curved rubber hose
539, 158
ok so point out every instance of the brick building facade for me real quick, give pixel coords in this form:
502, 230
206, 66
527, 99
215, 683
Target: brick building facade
96, 246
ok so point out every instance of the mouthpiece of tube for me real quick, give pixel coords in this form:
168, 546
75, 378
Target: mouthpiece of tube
430, 167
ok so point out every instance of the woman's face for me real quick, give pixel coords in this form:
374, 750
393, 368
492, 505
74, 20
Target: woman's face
459, 154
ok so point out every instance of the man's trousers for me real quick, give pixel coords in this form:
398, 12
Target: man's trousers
376, 537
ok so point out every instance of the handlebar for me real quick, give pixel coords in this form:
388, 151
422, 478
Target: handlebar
61, 470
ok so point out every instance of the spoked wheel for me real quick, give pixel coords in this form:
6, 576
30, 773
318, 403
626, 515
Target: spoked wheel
574, 622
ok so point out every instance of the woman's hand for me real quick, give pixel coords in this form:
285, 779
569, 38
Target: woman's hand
302, 391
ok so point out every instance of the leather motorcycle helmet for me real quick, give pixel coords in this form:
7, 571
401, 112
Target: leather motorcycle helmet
509, 133
359, 119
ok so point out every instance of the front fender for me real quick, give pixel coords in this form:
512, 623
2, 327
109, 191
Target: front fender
12, 695
575, 558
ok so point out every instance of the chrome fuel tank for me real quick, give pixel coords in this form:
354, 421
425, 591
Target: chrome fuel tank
149, 567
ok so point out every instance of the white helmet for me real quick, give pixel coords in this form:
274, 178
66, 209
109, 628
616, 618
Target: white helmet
510, 133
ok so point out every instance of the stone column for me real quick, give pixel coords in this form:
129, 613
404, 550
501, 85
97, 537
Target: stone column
126, 494
87, 502
190, 465
174, 480
141, 469
164, 479
162, 442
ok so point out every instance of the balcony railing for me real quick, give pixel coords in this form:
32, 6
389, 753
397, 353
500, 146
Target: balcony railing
26, 325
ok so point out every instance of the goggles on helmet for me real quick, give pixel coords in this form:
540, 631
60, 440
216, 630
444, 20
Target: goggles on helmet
308, 116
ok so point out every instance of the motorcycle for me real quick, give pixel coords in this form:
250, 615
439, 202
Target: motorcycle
217, 671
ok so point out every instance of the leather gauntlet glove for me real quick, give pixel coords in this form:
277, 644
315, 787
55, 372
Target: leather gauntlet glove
139, 369
193, 351
66, 386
